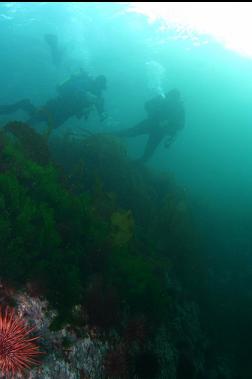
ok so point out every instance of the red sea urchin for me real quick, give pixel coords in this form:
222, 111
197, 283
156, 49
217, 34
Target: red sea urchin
18, 350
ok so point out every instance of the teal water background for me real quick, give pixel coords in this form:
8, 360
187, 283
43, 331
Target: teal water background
211, 158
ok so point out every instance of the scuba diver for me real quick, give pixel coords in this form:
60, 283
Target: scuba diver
166, 116
77, 96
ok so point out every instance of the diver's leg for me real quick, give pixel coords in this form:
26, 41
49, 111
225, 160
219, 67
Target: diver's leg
52, 113
142, 127
44, 113
36, 116
154, 140
24, 105
56, 53
35, 119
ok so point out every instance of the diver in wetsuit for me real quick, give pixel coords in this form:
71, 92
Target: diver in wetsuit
78, 96
166, 116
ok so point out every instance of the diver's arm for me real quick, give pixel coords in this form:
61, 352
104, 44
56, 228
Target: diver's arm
169, 140
172, 131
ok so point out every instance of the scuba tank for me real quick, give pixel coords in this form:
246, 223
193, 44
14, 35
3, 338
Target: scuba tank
77, 83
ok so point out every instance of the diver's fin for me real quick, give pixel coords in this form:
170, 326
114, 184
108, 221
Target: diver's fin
25, 105
52, 40
56, 51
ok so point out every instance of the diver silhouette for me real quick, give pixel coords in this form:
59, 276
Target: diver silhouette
77, 96
166, 116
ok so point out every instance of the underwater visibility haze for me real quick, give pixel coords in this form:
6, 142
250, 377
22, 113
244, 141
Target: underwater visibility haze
126, 190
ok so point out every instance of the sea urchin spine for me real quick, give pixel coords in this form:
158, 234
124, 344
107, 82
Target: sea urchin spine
18, 351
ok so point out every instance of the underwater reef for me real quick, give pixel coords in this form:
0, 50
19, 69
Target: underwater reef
101, 256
